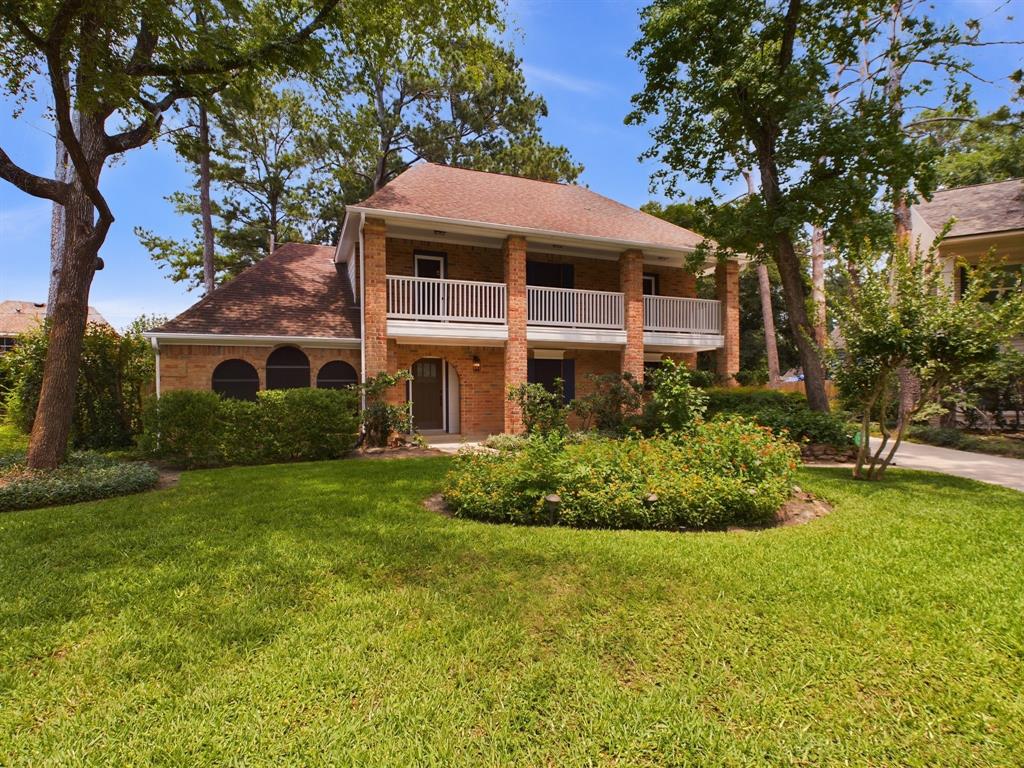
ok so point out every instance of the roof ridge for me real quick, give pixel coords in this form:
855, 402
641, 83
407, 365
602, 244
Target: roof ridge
493, 173
979, 184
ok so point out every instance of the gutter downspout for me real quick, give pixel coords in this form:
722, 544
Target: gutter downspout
156, 349
362, 311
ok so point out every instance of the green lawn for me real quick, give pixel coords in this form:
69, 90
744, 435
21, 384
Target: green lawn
315, 614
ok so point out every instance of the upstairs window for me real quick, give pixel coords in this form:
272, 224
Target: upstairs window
236, 379
650, 284
287, 368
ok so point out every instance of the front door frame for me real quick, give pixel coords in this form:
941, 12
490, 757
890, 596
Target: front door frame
444, 397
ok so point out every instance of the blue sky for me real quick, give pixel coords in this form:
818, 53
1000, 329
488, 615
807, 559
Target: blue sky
574, 53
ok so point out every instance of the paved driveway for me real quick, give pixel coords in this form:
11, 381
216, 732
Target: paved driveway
998, 470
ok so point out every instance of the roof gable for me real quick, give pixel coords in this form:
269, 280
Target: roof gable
296, 291
979, 209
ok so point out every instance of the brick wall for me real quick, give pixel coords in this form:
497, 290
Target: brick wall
631, 270
481, 393
375, 302
673, 281
464, 262
727, 291
190, 366
588, 274
514, 260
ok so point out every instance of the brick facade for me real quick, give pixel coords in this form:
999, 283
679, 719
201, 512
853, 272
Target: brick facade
514, 260
727, 291
191, 366
375, 302
631, 272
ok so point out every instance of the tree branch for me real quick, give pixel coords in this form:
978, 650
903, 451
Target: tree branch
37, 186
232, 63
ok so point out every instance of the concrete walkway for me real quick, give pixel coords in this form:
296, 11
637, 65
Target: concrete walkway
997, 470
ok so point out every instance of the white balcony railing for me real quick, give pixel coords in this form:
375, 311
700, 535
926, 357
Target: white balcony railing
674, 315
448, 301
573, 308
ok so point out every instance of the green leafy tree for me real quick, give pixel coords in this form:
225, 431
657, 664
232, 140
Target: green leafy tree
906, 317
776, 86
126, 64
261, 163
429, 81
975, 149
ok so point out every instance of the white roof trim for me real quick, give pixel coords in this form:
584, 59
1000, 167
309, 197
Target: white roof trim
526, 231
259, 341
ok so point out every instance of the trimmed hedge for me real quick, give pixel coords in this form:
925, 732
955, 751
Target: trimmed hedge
784, 413
720, 473
83, 477
201, 429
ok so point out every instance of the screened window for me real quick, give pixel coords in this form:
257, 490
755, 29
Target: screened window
287, 368
336, 374
236, 379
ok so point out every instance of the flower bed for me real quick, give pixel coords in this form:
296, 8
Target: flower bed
83, 477
720, 473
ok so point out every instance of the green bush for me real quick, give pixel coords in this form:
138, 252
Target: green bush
83, 477
380, 418
116, 372
196, 429
543, 412
723, 473
614, 404
676, 404
784, 413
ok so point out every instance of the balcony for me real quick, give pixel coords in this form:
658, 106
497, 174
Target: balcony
430, 309
574, 315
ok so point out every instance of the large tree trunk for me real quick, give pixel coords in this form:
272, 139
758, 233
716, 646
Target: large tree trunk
205, 207
57, 227
55, 412
795, 293
818, 286
771, 348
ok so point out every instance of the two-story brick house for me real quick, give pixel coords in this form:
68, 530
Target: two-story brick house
473, 282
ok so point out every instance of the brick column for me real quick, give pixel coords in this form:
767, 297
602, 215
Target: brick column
514, 253
375, 299
631, 283
727, 291
689, 290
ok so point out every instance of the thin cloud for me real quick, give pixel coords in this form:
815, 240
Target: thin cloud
562, 80
24, 222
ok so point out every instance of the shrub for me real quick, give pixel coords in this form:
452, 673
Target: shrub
785, 413
505, 442
725, 472
381, 419
675, 404
83, 477
614, 404
194, 429
753, 377
543, 412
116, 372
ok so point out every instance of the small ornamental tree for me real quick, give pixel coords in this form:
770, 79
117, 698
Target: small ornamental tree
380, 418
906, 316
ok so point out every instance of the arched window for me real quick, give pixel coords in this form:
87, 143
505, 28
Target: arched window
336, 375
236, 379
287, 368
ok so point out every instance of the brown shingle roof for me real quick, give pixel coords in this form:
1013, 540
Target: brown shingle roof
20, 316
296, 291
994, 207
428, 189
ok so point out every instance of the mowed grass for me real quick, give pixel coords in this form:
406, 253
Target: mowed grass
316, 614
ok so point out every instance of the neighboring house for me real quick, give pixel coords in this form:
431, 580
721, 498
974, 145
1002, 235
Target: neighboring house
988, 218
472, 281
17, 317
